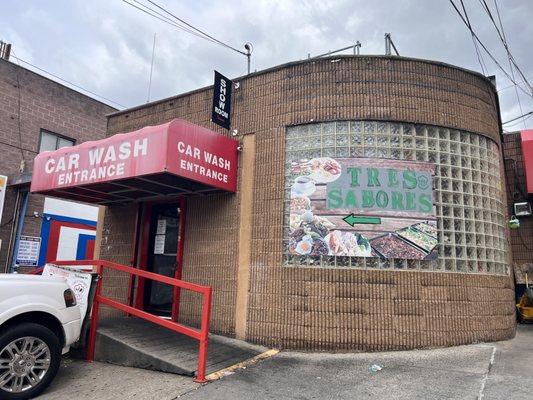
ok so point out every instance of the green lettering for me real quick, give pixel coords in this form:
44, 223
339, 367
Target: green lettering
335, 198
393, 179
425, 203
354, 174
410, 201
373, 174
382, 199
350, 200
409, 179
397, 201
368, 199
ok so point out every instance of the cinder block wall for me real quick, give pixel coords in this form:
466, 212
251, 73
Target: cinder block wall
28, 103
335, 309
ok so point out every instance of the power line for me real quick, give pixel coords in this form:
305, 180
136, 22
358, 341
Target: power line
503, 39
178, 23
479, 57
70, 83
19, 90
510, 59
520, 116
508, 55
486, 50
510, 86
196, 29
163, 18
524, 119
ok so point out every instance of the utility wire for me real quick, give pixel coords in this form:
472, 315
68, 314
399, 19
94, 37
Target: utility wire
479, 57
174, 22
510, 59
503, 39
19, 89
486, 50
70, 83
196, 29
508, 56
519, 122
510, 86
156, 14
520, 116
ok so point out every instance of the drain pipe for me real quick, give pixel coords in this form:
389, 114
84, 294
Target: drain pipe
12, 232
20, 226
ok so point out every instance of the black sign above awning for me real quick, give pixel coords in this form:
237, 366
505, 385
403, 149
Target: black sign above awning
221, 112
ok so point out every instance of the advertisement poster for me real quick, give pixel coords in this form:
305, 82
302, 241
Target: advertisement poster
79, 282
28, 251
362, 207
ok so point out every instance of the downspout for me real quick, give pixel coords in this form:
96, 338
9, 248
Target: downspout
12, 232
20, 226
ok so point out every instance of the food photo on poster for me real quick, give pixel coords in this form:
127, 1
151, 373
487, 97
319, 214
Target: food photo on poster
362, 208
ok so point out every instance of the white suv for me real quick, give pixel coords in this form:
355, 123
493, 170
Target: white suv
39, 320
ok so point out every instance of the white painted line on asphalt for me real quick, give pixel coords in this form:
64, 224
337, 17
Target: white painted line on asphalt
486, 376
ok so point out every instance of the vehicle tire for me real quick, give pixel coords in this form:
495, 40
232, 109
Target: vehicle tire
30, 355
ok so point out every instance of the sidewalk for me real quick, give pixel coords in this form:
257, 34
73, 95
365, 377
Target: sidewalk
80, 380
463, 372
491, 371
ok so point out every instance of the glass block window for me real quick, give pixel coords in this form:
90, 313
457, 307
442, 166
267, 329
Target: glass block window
471, 220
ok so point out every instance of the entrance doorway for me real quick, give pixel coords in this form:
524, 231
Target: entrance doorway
163, 256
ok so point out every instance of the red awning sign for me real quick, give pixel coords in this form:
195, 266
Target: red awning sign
177, 154
527, 153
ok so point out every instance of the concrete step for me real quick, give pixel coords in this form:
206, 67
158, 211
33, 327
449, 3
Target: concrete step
133, 342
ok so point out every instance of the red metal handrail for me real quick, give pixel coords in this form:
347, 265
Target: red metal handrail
202, 335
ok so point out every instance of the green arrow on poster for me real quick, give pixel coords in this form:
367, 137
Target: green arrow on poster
354, 219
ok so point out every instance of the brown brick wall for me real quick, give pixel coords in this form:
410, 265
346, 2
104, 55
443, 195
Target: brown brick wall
333, 308
521, 239
43, 104
116, 245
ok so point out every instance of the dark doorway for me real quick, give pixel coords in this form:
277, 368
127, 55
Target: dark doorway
162, 256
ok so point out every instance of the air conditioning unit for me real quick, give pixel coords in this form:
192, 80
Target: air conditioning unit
522, 209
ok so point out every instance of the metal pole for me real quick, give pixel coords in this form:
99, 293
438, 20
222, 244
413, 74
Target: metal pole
20, 226
356, 47
394, 47
329, 53
151, 69
91, 345
387, 44
249, 48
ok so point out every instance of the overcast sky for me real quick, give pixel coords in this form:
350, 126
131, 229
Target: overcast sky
105, 46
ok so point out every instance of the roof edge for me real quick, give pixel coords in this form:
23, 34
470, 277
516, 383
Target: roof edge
300, 62
17, 65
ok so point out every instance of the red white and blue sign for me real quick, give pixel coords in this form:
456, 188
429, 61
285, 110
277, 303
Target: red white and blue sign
68, 231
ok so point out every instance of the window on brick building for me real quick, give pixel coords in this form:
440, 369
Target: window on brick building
50, 141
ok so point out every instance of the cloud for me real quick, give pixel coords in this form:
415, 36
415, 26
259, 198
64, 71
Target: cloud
106, 46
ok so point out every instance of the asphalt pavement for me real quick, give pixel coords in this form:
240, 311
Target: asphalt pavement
488, 371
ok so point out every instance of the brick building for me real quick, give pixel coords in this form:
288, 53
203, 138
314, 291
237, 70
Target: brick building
37, 114
517, 192
286, 268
